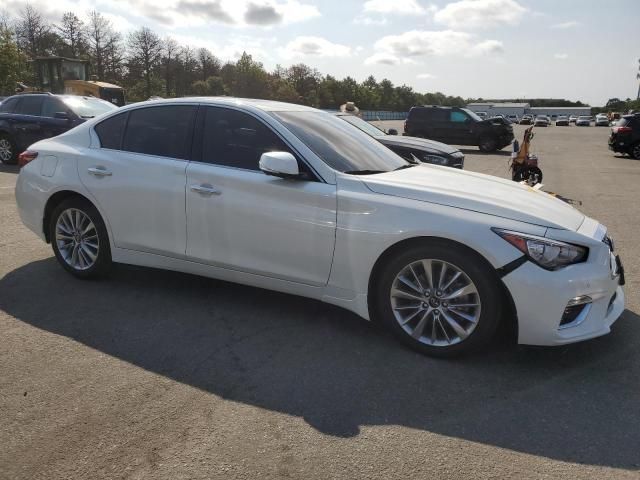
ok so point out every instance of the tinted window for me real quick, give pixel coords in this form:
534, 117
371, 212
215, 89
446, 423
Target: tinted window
8, 105
30, 105
458, 117
236, 139
110, 131
161, 130
52, 105
433, 114
341, 146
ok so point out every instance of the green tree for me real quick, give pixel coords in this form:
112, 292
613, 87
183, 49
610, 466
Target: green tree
12, 62
250, 78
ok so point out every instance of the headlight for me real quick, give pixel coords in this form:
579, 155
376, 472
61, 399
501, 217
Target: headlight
549, 254
435, 159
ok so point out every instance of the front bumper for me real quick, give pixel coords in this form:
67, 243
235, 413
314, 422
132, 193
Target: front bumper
540, 298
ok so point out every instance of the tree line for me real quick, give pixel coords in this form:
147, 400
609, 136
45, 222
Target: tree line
147, 65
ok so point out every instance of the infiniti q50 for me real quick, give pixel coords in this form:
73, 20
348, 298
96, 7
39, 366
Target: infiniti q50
292, 199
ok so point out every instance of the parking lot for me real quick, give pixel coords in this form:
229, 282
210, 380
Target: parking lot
155, 374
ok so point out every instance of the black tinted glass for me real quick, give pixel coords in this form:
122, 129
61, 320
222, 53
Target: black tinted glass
341, 146
236, 139
50, 106
110, 131
30, 105
8, 105
159, 130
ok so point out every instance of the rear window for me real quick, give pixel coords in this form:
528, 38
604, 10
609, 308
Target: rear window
160, 131
110, 131
8, 105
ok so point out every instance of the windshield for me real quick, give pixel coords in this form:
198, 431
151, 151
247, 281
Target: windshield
366, 127
339, 145
472, 114
582, 117
88, 107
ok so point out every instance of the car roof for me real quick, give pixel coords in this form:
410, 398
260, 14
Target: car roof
266, 105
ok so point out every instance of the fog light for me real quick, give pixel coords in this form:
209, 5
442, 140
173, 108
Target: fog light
576, 311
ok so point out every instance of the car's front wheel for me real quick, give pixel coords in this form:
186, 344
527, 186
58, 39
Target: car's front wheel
487, 144
439, 298
79, 238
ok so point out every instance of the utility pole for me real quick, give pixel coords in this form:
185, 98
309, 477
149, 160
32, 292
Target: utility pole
638, 78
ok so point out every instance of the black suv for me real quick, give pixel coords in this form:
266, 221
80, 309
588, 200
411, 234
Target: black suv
28, 118
458, 126
625, 136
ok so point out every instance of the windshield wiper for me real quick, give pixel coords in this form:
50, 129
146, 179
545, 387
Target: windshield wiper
364, 172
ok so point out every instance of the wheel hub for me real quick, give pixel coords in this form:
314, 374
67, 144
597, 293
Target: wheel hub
77, 239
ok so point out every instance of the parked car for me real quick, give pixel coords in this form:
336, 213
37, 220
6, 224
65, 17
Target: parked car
583, 121
573, 118
27, 118
602, 120
411, 148
562, 121
458, 126
289, 198
625, 136
513, 118
526, 120
542, 121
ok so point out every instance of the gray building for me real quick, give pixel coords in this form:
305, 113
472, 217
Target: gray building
520, 109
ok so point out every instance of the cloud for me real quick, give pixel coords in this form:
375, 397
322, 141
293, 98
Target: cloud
560, 56
210, 10
565, 25
425, 76
480, 13
368, 21
262, 15
400, 7
396, 49
304, 46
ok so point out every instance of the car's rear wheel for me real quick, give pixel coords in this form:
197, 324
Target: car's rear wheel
79, 238
439, 298
635, 151
8, 151
487, 144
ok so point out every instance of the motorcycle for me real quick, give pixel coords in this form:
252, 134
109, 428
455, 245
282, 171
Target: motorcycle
524, 165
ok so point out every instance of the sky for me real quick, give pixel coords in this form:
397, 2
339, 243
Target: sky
584, 50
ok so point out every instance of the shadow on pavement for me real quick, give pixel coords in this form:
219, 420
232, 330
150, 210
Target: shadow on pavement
304, 358
4, 168
474, 151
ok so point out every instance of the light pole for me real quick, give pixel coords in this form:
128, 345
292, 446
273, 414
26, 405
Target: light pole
638, 78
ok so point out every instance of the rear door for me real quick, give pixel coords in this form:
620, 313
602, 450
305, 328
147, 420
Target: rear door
137, 176
242, 219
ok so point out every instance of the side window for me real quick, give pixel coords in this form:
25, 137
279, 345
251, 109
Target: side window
236, 139
110, 131
30, 105
161, 131
458, 117
52, 105
8, 105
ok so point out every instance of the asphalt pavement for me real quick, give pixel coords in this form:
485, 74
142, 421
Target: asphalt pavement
161, 375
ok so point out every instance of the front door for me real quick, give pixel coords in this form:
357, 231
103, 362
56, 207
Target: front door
240, 218
137, 177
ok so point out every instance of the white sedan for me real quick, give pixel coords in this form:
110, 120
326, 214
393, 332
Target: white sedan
293, 199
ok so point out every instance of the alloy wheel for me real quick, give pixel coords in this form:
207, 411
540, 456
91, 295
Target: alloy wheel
77, 239
6, 150
435, 302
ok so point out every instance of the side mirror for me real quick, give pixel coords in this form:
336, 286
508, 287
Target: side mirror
62, 116
279, 164
392, 131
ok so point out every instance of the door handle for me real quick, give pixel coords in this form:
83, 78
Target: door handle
99, 171
205, 189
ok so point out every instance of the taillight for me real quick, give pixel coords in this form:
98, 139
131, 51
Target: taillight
26, 157
621, 129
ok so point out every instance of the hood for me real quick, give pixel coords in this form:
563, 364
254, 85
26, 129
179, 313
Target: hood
417, 143
476, 192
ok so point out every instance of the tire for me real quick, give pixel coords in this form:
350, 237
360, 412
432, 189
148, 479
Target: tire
635, 151
487, 144
476, 325
8, 150
87, 255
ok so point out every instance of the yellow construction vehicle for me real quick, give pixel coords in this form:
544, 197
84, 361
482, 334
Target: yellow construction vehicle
71, 76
